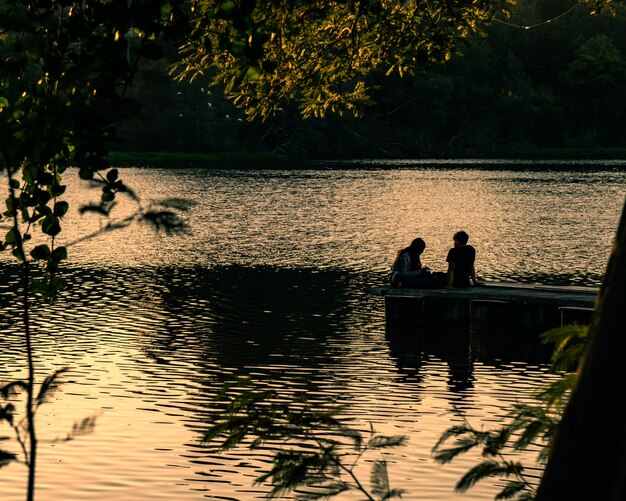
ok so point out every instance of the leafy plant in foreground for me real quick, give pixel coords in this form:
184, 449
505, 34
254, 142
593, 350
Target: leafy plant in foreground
526, 426
317, 451
65, 68
8, 414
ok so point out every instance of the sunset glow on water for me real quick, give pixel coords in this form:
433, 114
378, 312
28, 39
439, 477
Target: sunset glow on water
271, 282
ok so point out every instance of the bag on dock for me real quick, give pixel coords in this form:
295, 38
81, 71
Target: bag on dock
423, 279
432, 280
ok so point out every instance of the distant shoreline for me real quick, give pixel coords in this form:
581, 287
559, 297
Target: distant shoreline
262, 160
190, 159
533, 153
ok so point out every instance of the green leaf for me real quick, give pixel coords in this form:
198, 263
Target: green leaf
12, 237
45, 178
48, 287
227, 10
112, 175
293, 469
61, 208
85, 173
4, 102
41, 252
50, 225
238, 48
50, 23
56, 189
253, 74
59, 254
39, 212
42, 197
25, 215
55, 285
494, 441
39, 286
10, 206
29, 173
569, 342
107, 196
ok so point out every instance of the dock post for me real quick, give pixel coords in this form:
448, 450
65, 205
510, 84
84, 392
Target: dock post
492, 316
440, 311
404, 315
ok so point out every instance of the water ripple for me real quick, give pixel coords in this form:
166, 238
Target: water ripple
272, 284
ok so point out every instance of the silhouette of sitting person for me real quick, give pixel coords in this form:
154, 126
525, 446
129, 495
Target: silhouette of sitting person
461, 260
407, 266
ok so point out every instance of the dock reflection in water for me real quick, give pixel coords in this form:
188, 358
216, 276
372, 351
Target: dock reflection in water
272, 284
150, 349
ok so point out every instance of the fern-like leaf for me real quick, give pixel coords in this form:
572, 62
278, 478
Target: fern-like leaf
381, 441
13, 388
84, 427
165, 220
463, 445
512, 488
479, 472
181, 204
50, 385
569, 342
6, 458
379, 478
325, 490
453, 431
6, 413
556, 394
393, 493
293, 469
494, 441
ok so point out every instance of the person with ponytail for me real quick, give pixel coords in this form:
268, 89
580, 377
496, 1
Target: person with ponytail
408, 266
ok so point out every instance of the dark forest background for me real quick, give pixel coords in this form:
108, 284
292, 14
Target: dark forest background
560, 84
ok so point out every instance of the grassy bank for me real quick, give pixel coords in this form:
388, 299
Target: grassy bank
530, 152
276, 161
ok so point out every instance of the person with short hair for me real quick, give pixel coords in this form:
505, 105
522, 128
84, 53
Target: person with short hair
460, 261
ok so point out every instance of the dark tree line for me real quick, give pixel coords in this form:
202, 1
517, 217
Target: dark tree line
559, 84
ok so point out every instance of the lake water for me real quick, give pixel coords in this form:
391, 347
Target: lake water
271, 282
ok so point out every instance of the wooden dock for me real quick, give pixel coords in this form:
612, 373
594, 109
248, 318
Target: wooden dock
495, 307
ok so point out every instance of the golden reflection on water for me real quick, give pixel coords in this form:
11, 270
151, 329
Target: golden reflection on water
535, 224
271, 282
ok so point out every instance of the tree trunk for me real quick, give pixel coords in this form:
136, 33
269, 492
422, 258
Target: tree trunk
588, 461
